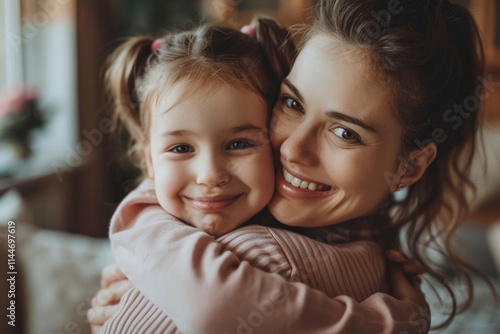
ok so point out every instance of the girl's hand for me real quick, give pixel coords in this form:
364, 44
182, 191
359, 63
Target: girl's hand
412, 268
406, 277
114, 284
403, 289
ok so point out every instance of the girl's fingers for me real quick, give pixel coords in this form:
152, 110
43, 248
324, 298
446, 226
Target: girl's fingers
413, 268
416, 281
110, 274
403, 289
410, 266
395, 256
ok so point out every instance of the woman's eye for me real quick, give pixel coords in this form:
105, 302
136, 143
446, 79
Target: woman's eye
181, 149
239, 145
291, 103
346, 134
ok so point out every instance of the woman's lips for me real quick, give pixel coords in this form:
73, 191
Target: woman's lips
286, 189
299, 183
213, 204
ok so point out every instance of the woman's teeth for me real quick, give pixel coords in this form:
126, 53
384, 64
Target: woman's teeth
298, 183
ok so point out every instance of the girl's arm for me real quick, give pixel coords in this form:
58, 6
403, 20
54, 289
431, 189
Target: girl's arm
206, 290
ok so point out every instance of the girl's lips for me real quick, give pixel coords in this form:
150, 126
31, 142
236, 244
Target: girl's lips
286, 189
213, 204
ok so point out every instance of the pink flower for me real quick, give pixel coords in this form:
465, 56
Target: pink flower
13, 101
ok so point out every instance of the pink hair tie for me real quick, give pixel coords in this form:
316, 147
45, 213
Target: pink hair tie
249, 30
156, 44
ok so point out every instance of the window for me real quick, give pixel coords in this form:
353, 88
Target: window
40, 42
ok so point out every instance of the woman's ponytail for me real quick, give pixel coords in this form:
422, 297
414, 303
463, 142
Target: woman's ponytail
278, 45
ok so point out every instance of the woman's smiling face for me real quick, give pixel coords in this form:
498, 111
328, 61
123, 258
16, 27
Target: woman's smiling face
335, 135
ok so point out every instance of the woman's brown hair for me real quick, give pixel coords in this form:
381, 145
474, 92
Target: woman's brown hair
430, 54
136, 75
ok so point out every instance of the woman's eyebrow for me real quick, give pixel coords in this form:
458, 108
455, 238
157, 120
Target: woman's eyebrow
293, 89
350, 119
331, 113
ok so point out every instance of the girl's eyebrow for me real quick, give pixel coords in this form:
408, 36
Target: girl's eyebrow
236, 129
246, 127
177, 133
331, 113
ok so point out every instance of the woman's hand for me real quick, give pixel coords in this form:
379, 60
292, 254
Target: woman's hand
114, 284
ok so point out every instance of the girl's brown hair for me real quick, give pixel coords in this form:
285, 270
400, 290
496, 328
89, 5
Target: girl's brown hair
136, 75
430, 54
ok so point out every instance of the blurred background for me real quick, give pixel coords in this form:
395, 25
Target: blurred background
62, 173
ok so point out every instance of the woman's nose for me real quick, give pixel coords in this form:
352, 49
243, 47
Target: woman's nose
300, 147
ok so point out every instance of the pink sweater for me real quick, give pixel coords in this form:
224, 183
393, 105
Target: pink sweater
251, 280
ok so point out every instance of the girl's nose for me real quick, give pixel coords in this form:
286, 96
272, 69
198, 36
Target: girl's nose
218, 179
212, 172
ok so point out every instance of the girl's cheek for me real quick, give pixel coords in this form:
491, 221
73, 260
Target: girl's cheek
279, 131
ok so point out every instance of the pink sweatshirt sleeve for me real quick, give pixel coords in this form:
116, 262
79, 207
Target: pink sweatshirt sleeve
204, 289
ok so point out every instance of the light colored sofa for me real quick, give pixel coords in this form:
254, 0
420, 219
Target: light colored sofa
58, 273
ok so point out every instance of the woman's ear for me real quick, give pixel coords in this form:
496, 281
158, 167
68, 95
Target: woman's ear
417, 165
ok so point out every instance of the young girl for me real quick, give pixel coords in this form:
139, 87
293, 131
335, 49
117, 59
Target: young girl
197, 108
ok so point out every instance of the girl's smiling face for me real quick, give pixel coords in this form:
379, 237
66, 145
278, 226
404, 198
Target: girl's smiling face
335, 135
210, 156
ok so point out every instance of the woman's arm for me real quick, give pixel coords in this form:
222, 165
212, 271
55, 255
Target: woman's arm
114, 284
187, 275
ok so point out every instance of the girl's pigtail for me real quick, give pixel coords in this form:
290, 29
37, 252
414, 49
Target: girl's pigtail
278, 45
125, 69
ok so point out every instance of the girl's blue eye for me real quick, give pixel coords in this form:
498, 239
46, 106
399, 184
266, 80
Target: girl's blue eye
291, 103
346, 135
239, 145
182, 149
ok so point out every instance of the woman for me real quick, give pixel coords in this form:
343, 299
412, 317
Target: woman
378, 99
